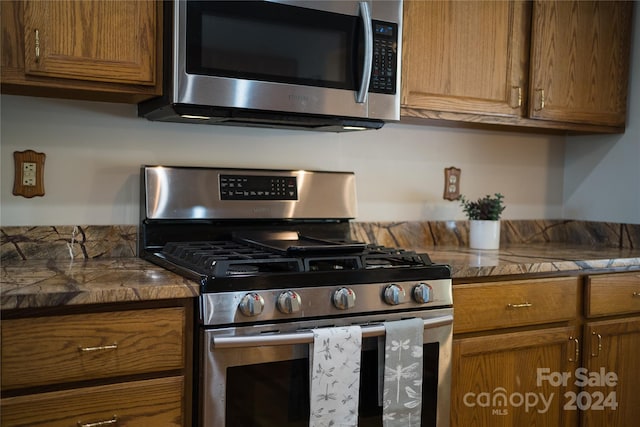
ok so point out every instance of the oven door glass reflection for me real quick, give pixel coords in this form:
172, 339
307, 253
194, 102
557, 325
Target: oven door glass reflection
276, 394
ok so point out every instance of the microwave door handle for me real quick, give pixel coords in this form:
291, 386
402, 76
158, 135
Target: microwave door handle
365, 14
306, 337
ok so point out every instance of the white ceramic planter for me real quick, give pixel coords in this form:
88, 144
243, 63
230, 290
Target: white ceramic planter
484, 234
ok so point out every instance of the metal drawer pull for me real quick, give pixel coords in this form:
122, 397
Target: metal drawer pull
599, 344
113, 420
636, 294
523, 305
577, 349
113, 346
306, 337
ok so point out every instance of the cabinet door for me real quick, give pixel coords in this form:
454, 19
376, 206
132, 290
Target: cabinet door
510, 379
580, 61
465, 56
612, 346
94, 40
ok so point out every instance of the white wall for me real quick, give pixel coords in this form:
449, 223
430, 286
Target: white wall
602, 173
94, 151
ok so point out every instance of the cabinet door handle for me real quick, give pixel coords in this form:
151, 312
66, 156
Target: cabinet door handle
37, 36
636, 294
113, 346
540, 93
522, 305
576, 350
112, 421
518, 104
599, 344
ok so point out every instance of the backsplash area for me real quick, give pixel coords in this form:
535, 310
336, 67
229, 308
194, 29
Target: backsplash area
456, 233
113, 241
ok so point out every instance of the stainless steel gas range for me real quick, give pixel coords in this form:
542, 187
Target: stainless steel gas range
272, 253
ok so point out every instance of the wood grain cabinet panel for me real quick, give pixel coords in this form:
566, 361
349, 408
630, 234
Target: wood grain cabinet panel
611, 294
560, 65
112, 41
156, 402
453, 61
492, 373
612, 346
494, 305
57, 349
580, 61
100, 50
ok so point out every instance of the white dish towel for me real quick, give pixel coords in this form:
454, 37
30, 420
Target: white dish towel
402, 395
335, 376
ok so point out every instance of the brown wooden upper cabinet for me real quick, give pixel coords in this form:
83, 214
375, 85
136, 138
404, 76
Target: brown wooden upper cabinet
95, 49
547, 64
465, 56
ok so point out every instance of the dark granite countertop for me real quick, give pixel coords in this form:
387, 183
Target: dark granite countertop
533, 259
48, 283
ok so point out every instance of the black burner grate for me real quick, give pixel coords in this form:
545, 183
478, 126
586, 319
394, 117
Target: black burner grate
231, 258
226, 258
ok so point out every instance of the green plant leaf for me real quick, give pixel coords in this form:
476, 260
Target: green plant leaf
485, 208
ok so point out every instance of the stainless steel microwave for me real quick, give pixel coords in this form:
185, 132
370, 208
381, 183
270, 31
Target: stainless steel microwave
314, 65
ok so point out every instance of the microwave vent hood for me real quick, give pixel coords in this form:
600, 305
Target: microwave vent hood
156, 110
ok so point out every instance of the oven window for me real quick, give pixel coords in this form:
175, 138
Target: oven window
277, 394
273, 42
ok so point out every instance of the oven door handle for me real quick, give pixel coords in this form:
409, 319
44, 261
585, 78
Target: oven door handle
306, 336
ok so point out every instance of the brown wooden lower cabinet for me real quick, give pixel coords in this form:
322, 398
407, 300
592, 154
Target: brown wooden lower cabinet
612, 350
104, 365
568, 355
156, 402
504, 379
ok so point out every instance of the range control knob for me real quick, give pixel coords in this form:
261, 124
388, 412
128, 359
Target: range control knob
344, 298
251, 304
289, 302
422, 293
394, 295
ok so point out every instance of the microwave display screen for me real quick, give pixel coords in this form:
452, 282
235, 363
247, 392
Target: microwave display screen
384, 30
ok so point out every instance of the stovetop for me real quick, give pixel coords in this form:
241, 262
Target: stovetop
223, 265
225, 258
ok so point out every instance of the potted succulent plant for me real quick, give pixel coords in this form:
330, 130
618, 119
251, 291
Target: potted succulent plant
484, 220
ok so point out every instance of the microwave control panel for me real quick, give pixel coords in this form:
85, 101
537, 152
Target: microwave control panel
385, 57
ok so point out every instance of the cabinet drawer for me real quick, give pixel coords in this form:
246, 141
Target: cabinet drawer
613, 294
482, 306
156, 402
48, 350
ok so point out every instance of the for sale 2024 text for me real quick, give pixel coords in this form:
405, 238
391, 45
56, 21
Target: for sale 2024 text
500, 400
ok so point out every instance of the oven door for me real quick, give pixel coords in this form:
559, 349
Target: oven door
289, 56
258, 376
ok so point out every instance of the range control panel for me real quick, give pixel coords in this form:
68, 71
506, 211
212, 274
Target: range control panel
253, 187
